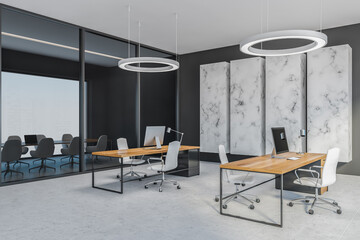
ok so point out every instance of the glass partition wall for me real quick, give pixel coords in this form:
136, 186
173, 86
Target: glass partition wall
39, 95
51, 72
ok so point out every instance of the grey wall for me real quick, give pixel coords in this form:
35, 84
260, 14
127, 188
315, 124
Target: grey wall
189, 110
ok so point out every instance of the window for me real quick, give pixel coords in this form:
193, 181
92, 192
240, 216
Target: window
39, 105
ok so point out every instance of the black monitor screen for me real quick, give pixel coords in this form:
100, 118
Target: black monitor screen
280, 141
30, 139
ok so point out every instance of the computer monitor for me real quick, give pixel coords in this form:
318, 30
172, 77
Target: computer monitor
30, 139
154, 135
280, 141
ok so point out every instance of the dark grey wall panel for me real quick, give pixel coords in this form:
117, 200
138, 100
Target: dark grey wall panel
121, 106
158, 102
189, 86
28, 63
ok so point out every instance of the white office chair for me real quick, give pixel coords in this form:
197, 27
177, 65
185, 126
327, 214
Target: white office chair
328, 178
122, 145
237, 180
171, 162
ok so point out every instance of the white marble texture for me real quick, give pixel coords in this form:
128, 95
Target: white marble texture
214, 106
285, 98
247, 106
329, 107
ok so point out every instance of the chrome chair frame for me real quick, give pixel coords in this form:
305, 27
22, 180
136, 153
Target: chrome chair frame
316, 197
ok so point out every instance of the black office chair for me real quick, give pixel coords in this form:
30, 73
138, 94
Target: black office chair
11, 153
44, 150
24, 150
100, 145
66, 137
72, 151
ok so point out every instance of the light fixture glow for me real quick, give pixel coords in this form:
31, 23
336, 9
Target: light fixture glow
318, 41
58, 45
127, 64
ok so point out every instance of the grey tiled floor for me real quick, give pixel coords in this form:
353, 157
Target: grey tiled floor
68, 208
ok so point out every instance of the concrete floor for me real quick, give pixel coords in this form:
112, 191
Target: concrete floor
68, 208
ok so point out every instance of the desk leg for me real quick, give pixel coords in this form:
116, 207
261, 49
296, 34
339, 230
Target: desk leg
92, 169
106, 189
122, 175
281, 199
221, 197
250, 219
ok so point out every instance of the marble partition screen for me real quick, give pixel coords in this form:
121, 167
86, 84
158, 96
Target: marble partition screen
285, 98
329, 100
247, 106
214, 106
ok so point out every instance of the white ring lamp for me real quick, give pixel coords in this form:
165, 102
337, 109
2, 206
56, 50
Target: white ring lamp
127, 64
319, 40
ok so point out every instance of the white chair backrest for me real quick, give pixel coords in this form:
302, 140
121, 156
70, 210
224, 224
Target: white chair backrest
171, 161
122, 145
222, 154
329, 170
224, 160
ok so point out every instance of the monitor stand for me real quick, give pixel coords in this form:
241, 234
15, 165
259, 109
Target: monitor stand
158, 144
157, 140
273, 155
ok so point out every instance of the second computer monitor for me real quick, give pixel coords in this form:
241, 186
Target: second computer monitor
154, 135
280, 141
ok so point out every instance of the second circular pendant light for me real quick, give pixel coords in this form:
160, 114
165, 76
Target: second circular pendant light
318, 39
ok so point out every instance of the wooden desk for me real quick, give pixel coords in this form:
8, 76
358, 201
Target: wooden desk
266, 164
134, 152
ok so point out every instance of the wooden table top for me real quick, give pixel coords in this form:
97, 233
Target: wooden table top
133, 152
266, 164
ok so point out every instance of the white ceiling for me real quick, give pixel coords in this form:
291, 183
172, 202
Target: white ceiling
203, 24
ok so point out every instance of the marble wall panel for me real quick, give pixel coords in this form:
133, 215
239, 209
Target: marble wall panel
214, 106
247, 106
329, 102
285, 98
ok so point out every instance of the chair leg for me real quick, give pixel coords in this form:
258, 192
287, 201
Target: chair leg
66, 157
162, 181
49, 159
333, 203
21, 162
42, 166
71, 162
8, 170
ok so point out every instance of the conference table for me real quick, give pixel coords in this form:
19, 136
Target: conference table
56, 142
187, 165
267, 165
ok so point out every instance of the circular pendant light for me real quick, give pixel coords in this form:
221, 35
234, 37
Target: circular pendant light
133, 64
318, 41
128, 64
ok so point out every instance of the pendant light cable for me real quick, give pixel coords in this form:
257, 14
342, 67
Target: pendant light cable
129, 10
321, 15
176, 36
139, 38
267, 16
261, 20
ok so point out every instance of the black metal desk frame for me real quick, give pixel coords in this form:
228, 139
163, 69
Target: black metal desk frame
251, 219
121, 165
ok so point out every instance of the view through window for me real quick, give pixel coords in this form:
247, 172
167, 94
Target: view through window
39, 105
